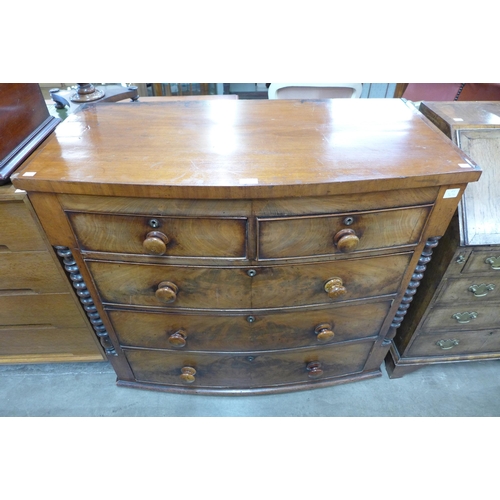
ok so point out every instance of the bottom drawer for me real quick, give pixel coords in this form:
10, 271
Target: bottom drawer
247, 370
456, 343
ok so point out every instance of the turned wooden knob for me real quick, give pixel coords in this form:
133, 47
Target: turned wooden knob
167, 291
314, 369
155, 243
334, 287
346, 240
324, 332
188, 374
178, 339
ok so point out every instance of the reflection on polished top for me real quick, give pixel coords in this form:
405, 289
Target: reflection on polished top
241, 149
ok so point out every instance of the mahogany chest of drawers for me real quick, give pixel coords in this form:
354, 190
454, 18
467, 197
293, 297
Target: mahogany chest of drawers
242, 247
455, 314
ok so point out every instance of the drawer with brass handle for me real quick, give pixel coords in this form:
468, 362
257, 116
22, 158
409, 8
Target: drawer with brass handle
254, 331
470, 291
457, 343
483, 261
462, 318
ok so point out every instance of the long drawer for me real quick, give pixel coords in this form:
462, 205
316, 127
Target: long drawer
462, 317
208, 287
456, 343
247, 370
254, 332
317, 235
471, 290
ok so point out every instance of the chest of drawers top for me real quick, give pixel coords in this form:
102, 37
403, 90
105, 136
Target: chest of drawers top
244, 149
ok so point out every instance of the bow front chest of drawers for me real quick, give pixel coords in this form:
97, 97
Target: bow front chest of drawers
241, 247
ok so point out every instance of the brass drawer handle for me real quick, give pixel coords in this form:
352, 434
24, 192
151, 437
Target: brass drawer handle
178, 339
346, 240
314, 369
167, 291
482, 289
465, 317
188, 374
155, 243
494, 262
447, 344
324, 332
334, 287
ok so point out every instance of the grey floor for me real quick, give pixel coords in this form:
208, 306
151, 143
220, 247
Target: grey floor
88, 390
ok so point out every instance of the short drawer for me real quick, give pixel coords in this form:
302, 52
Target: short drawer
247, 370
19, 231
258, 331
170, 236
30, 272
462, 317
307, 236
471, 291
200, 287
456, 343
484, 261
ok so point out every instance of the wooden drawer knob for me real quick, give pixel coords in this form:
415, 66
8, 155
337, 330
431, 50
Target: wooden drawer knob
314, 369
177, 339
324, 332
334, 287
188, 374
155, 243
346, 240
167, 291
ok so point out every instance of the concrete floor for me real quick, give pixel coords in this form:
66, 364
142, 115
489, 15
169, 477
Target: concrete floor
88, 390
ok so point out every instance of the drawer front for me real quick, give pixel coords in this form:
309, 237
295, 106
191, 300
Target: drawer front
307, 284
30, 272
46, 341
256, 332
462, 317
248, 370
471, 291
247, 288
485, 261
52, 309
19, 231
349, 232
197, 287
456, 343
181, 236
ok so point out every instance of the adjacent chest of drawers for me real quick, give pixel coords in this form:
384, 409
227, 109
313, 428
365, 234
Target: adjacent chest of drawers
40, 317
247, 246
455, 315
